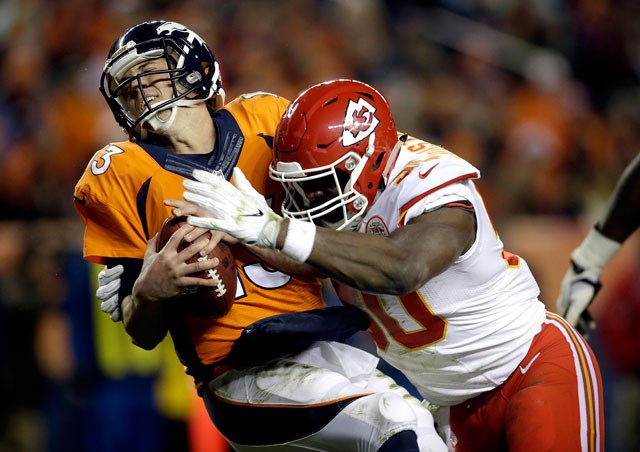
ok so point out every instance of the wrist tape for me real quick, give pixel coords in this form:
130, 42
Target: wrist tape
299, 240
596, 250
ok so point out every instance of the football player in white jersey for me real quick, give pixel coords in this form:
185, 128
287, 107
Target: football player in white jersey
398, 224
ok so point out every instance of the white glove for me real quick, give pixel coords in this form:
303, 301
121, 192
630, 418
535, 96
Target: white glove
243, 213
107, 293
239, 211
582, 282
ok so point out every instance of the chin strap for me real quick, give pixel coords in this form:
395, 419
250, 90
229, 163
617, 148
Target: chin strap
392, 158
155, 124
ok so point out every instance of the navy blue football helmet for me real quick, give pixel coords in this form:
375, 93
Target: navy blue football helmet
192, 70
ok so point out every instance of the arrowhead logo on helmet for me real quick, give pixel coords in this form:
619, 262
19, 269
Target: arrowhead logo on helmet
359, 122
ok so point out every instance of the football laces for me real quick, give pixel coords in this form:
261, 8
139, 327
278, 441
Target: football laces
213, 274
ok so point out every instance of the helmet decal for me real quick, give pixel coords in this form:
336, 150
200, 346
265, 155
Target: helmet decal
334, 142
359, 122
170, 27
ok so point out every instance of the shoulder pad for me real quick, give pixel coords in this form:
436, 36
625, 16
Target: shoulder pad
258, 105
432, 165
256, 101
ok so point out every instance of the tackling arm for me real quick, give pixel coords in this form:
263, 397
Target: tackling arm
367, 262
286, 264
401, 262
273, 257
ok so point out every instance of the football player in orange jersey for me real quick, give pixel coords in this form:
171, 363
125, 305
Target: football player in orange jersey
164, 88
400, 225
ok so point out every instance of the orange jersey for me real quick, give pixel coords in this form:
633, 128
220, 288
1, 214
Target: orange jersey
120, 199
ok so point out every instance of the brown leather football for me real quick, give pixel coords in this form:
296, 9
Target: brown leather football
206, 301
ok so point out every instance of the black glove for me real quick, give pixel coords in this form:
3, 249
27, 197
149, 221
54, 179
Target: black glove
287, 334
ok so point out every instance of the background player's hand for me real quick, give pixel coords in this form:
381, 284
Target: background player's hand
107, 292
579, 288
582, 282
238, 210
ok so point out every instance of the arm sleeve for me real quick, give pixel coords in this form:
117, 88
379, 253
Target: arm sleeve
132, 268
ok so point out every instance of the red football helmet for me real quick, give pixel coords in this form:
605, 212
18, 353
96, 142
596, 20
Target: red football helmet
331, 151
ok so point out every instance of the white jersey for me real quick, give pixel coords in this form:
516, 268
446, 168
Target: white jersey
466, 330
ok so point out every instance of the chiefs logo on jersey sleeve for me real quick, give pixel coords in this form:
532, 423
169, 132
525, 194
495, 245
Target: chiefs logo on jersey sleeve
377, 226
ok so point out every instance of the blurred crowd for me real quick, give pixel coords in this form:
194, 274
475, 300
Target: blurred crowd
543, 96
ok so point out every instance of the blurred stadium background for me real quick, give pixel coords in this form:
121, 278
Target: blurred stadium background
541, 95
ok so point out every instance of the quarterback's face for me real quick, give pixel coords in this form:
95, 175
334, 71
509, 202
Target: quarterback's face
149, 88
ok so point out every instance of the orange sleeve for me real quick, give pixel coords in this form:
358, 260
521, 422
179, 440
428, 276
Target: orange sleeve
110, 200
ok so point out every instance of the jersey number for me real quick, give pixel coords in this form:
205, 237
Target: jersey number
433, 329
261, 277
102, 160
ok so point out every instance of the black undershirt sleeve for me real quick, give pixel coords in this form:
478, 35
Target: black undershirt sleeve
132, 268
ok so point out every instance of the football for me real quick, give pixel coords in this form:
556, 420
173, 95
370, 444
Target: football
206, 301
